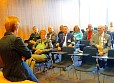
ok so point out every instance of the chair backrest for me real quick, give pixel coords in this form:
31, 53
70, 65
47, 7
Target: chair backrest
89, 59
95, 28
112, 34
69, 50
92, 51
110, 62
83, 31
84, 44
111, 53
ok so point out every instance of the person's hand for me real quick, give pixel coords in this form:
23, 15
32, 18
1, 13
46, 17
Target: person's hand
87, 30
23, 58
70, 45
100, 54
38, 51
59, 48
99, 47
57, 44
32, 42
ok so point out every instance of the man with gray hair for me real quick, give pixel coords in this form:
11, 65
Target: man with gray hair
51, 35
102, 42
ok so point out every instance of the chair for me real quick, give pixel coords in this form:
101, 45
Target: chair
95, 28
71, 32
84, 43
88, 62
83, 31
112, 38
45, 62
109, 69
39, 66
66, 59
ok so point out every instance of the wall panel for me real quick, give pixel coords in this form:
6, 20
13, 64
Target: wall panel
40, 13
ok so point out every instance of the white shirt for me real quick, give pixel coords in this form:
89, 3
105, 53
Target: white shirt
65, 44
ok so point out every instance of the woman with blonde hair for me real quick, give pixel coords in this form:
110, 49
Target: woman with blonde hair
77, 33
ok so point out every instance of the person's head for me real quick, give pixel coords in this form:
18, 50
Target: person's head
100, 29
65, 29
76, 28
43, 34
89, 27
50, 29
111, 24
12, 24
105, 28
61, 28
35, 29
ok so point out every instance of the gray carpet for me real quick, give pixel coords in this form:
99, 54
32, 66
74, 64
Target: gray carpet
56, 77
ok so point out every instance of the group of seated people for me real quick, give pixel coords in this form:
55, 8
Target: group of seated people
98, 38
14, 52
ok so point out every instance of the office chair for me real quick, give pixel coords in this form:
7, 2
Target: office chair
112, 38
84, 43
83, 31
66, 60
45, 62
88, 62
95, 28
40, 63
109, 69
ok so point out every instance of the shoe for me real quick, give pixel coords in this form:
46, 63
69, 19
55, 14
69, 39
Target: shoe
45, 70
51, 67
64, 69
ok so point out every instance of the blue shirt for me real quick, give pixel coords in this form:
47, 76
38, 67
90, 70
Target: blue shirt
78, 35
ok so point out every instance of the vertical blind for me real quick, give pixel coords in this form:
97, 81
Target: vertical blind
42, 13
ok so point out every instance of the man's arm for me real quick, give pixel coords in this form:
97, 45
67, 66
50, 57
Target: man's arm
22, 49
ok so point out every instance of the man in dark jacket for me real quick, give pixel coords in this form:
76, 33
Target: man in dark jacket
33, 37
14, 53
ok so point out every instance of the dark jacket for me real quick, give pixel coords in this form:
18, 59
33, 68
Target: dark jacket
69, 40
53, 37
12, 49
34, 36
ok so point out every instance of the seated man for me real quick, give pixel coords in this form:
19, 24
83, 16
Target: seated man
51, 35
33, 37
89, 32
41, 46
102, 42
65, 39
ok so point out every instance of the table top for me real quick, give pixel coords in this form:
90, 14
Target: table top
80, 44
79, 54
103, 57
59, 52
